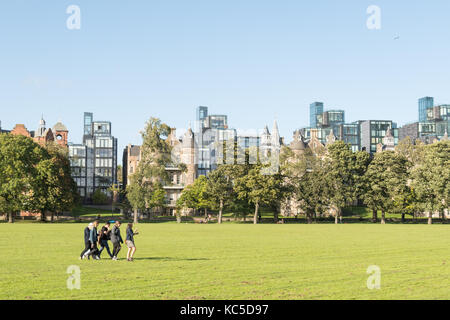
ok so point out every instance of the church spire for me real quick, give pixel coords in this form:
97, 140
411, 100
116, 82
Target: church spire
41, 128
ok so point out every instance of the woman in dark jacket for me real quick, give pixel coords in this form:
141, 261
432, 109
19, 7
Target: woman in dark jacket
130, 242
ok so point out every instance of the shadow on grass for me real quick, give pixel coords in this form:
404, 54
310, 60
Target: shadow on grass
171, 259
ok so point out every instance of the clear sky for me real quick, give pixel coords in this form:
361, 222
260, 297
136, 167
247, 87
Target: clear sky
254, 60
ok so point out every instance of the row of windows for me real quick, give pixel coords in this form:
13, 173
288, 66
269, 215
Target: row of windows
103, 163
103, 172
77, 172
77, 151
81, 182
104, 153
104, 143
78, 162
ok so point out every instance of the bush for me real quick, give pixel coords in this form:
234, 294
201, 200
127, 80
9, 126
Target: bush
99, 197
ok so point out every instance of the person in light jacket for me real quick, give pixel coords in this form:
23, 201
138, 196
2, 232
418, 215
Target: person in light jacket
93, 239
87, 244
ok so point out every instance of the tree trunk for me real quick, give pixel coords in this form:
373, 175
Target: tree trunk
340, 215
275, 215
42, 215
442, 216
374, 215
430, 217
52, 217
220, 211
309, 218
135, 220
336, 217
206, 213
255, 218
403, 217
11, 217
383, 220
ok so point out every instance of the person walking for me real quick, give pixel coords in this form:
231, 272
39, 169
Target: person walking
103, 237
116, 239
87, 244
93, 239
130, 241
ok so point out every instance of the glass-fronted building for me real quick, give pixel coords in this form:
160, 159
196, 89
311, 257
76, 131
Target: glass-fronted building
210, 130
349, 133
321, 133
437, 123
94, 163
315, 110
372, 133
424, 104
78, 164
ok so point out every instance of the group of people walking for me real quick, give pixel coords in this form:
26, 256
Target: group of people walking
107, 233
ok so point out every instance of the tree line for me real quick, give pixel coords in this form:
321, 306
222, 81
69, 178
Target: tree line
34, 178
412, 180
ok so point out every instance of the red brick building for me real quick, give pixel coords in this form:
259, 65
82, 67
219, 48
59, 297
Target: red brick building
43, 135
58, 134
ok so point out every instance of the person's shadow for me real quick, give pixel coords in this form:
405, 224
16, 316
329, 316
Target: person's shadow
170, 259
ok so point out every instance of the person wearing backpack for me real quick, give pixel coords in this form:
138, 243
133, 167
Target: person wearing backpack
103, 238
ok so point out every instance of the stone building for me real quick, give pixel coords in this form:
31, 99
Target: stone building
388, 142
300, 146
183, 152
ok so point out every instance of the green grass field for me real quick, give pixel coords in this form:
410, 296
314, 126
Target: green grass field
231, 261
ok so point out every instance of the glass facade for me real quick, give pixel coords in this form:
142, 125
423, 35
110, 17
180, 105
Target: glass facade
315, 111
372, 133
210, 130
202, 113
424, 104
349, 133
437, 122
94, 163
321, 133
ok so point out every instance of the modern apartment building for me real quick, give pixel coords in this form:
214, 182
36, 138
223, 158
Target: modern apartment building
424, 104
372, 133
350, 133
210, 131
331, 119
315, 109
94, 162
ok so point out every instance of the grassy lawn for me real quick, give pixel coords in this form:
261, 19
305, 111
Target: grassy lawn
92, 212
231, 261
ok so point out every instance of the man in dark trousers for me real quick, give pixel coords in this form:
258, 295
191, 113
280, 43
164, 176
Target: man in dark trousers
116, 239
104, 236
93, 239
87, 243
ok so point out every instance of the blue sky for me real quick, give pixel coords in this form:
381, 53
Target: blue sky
253, 60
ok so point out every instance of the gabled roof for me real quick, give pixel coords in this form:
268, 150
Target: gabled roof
59, 126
